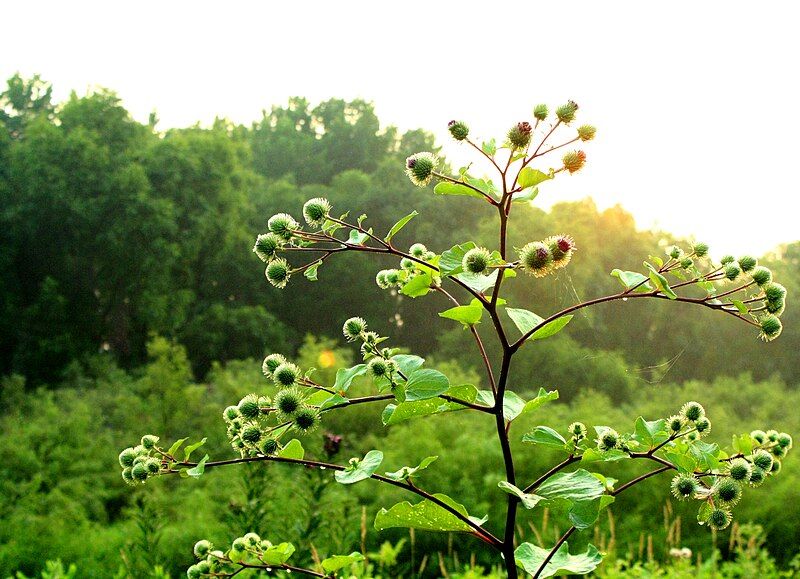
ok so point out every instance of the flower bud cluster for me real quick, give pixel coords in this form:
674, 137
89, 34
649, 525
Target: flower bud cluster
249, 549
141, 461
408, 270
540, 258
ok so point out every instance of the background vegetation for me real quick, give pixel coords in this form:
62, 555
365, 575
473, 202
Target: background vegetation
130, 302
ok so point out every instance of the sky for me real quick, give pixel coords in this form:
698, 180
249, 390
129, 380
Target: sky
695, 102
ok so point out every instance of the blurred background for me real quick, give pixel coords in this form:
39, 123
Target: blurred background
142, 149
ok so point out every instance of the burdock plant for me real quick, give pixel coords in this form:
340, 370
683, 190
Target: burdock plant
471, 278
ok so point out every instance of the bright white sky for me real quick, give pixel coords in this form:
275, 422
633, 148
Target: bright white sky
696, 103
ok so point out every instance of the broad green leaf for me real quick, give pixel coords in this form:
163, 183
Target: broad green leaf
584, 514
526, 195
743, 444
418, 286
407, 363
409, 471
529, 177
545, 436
489, 147
292, 450
360, 469
706, 455
187, 452
551, 328
530, 558
198, 470
448, 188
528, 501
485, 185
683, 462
357, 238
607, 482
523, 319
345, 376
425, 383
543, 397
651, 433
594, 455
337, 562
175, 446
478, 282
740, 306
467, 315
333, 400
660, 282
278, 554
579, 485
512, 405
704, 513
631, 279
311, 271
395, 413
399, 225
424, 515
450, 261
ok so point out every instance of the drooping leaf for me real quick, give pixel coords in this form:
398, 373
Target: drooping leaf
407, 363
337, 562
530, 558
448, 188
175, 446
357, 238
551, 328
278, 554
526, 195
197, 471
512, 405
292, 450
425, 383
584, 514
345, 376
524, 319
359, 470
419, 285
660, 282
395, 413
467, 315
425, 515
409, 471
579, 485
595, 455
399, 225
631, 279
310, 272
542, 398
545, 436
187, 452
333, 400
530, 177
740, 306
528, 501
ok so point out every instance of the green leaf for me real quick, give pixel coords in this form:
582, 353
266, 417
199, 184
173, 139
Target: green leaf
743, 444
685, 463
584, 514
357, 238
651, 433
399, 225
660, 282
528, 501
740, 306
551, 328
197, 471
704, 513
175, 446
485, 185
579, 485
467, 315
395, 413
345, 376
408, 471
337, 562
526, 195
706, 455
529, 177
407, 363
489, 147
450, 261
360, 469
530, 557
310, 272
543, 397
545, 436
523, 319
418, 286
478, 282
187, 452
512, 405
424, 515
292, 450
594, 455
631, 279
278, 554
331, 401
426, 383
448, 188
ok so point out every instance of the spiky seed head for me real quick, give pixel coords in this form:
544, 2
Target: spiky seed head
566, 113
139, 472
703, 426
288, 401
149, 441
608, 439
586, 132
278, 272
778, 451
762, 459
732, 271
458, 130
687, 262
282, 225
316, 210
418, 250
126, 475
266, 245
476, 260
251, 433
771, 327
574, 161
202, 548
239, 545
561, 248
381, 278
577, 429
536, 258
700, 249
203, 567
761, 275
748, 263
420, 168
193, 572
126, 457
774, 291
271, 363
230, 413
693, 411
726, 259
286, 375
540, 112
408, 264
519, 136
269, 446
727, 492
776, 467
785, 440
776, 307
674, 251
153, 465
378, 368
757, 476
393, 277
684, 486
739, 469
306, 419
675, 423
772, 435
353, 327
252, 540
718, 518
248, 406
759, 436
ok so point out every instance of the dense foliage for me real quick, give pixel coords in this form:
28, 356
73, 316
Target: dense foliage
114, 232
